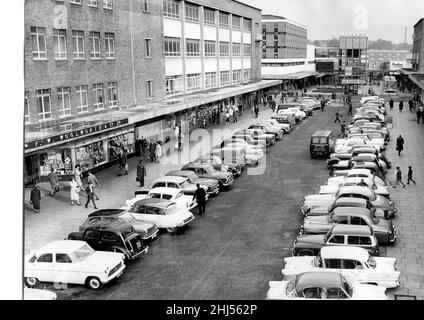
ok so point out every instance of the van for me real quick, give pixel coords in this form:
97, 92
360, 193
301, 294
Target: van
322, 143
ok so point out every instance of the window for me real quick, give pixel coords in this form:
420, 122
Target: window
171, 9
38, 38
351, 264
236, 50
223, 20
93, 3
224, 49
44, 104
95, 45
336, 239
108, 4
224, 77
209, 17
210, 80
192, 13
247, 24
333, 263
59, 43
62, 258
64, 100
192, 48
110, 45
210, 48
78, 44
236, 23
247, 50
81, 92
149, 89
26, 108
146, 5
98, 96
48, 257
276, 27
112, 94
174, 85
357, 240
236, 76
172, 47
246, 75
75, 1
148, 45
357, 221
193, 82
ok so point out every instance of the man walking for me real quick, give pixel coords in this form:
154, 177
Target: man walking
398, 177
141, 173
35, 198
54, 182
419, 114
399, 144
342, 129
93, 180
410, 175
391, 103
152, 150
322, 104
349, 112
90, 195
401, 106
411, 105
200, 196
337, 117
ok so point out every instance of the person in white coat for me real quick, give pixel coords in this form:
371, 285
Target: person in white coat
75, 188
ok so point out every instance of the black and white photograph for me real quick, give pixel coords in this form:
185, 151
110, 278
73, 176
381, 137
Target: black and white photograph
226, 150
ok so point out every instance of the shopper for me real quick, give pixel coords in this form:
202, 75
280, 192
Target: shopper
411, 105
337, 115
399, 144
419, 114
322, 104
391, 103
398, 177
78, 175
401, 106
256, 110
180, 144
90, 195
227, 117
54, 182
200, 196
35, 198
141, 173
143, 146
349, 112
410, 175
93, 179
342, 129
152, 151
158, 152
75, 189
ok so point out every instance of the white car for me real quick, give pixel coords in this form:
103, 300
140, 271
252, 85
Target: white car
164, 213
314, 101
172, 194
281, 126
346, 145
354, 263
357, 173
369, 182
299, 114
72, 261
251, 151
323, 285
39, 294
369, 98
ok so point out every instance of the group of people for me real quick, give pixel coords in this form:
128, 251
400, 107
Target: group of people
153, 150
398, 173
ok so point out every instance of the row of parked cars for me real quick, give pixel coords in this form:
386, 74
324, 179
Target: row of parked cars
337, 252
110, 238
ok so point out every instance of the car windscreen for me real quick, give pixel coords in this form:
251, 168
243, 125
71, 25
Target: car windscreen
83, 252
317, 140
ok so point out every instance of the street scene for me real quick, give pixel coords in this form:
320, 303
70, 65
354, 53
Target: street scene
194, 150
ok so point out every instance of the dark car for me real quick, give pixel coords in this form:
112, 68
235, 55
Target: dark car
371, 150
339, 235
114, 236
268, 130
322, 144
204, 170
218, 164
147, 230
212, 184
341, 168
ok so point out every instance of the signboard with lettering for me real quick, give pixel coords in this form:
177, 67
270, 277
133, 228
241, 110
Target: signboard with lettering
63, 137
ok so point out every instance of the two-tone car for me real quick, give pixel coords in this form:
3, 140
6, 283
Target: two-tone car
356, 173
193, 178
204, 170
218, 164
333, 188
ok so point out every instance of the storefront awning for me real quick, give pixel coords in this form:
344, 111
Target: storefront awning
291, 76
418, 79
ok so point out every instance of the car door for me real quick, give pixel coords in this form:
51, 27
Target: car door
43, 267
149, 214
64, 271
93, 238
353, 270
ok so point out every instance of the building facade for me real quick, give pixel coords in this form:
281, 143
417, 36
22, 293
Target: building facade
418, 46
353, 49
377, 57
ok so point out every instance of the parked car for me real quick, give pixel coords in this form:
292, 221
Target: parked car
114, 236
333, 188
79, 264
337, 157
216, 161
251, 140
353, 173
229, 155
147, 231
164, 213
311, 100
383, 229
374, 168
253, 155
258, 149
338, 235
294, 108
339, 164
258, 135
212, 184
268, 130
314, 285
283, 126
353, 263
236, 150
177, 182
284, 118
371, 150
204, 170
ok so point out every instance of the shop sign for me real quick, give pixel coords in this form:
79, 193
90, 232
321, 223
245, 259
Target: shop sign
74, 134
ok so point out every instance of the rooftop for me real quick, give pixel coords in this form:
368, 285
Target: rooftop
344, 252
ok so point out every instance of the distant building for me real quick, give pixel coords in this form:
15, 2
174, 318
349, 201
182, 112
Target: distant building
418, 46
394, 66
353, 49
377, 57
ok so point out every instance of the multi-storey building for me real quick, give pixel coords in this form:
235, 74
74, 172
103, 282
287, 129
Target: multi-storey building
377, 57
418, 46
101, 73
353, 55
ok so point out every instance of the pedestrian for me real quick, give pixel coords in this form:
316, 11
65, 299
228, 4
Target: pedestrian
401, 106
419, 114
152, 150
231, 112
398, 177
227, 117
158, 152
256, 110
411, 105
35, 198
399, 144
141, 173
322, 104
93, 179
337, 115
122, 163
179, 146
200, 197
349, 112
410, 175
391, 104
78, 175
90, 195
54, 182
342, 129
75, 189
234, 114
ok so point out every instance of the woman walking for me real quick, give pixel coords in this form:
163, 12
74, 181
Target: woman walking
78, 175
158, 152
35, 198
75, 189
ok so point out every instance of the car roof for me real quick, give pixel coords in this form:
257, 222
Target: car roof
106, 212
352, 201
64, 246
355, 189
357, 179
359, 171
351, 211
344, 252
170, 179
182, 173
111, 225
322, 133
154, 202
170, 191
351, 229
197, 165
318, 279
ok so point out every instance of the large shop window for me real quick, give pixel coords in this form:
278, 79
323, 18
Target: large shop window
60, 160
91, 155
121, 142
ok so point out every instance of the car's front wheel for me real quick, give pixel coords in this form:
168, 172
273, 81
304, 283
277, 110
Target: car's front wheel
94, 283
31, 282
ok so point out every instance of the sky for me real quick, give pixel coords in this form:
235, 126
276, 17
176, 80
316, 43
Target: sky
380, 19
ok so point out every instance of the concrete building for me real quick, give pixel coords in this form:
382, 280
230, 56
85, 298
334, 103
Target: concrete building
353, 48
418, 46
377, 57
101, 74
